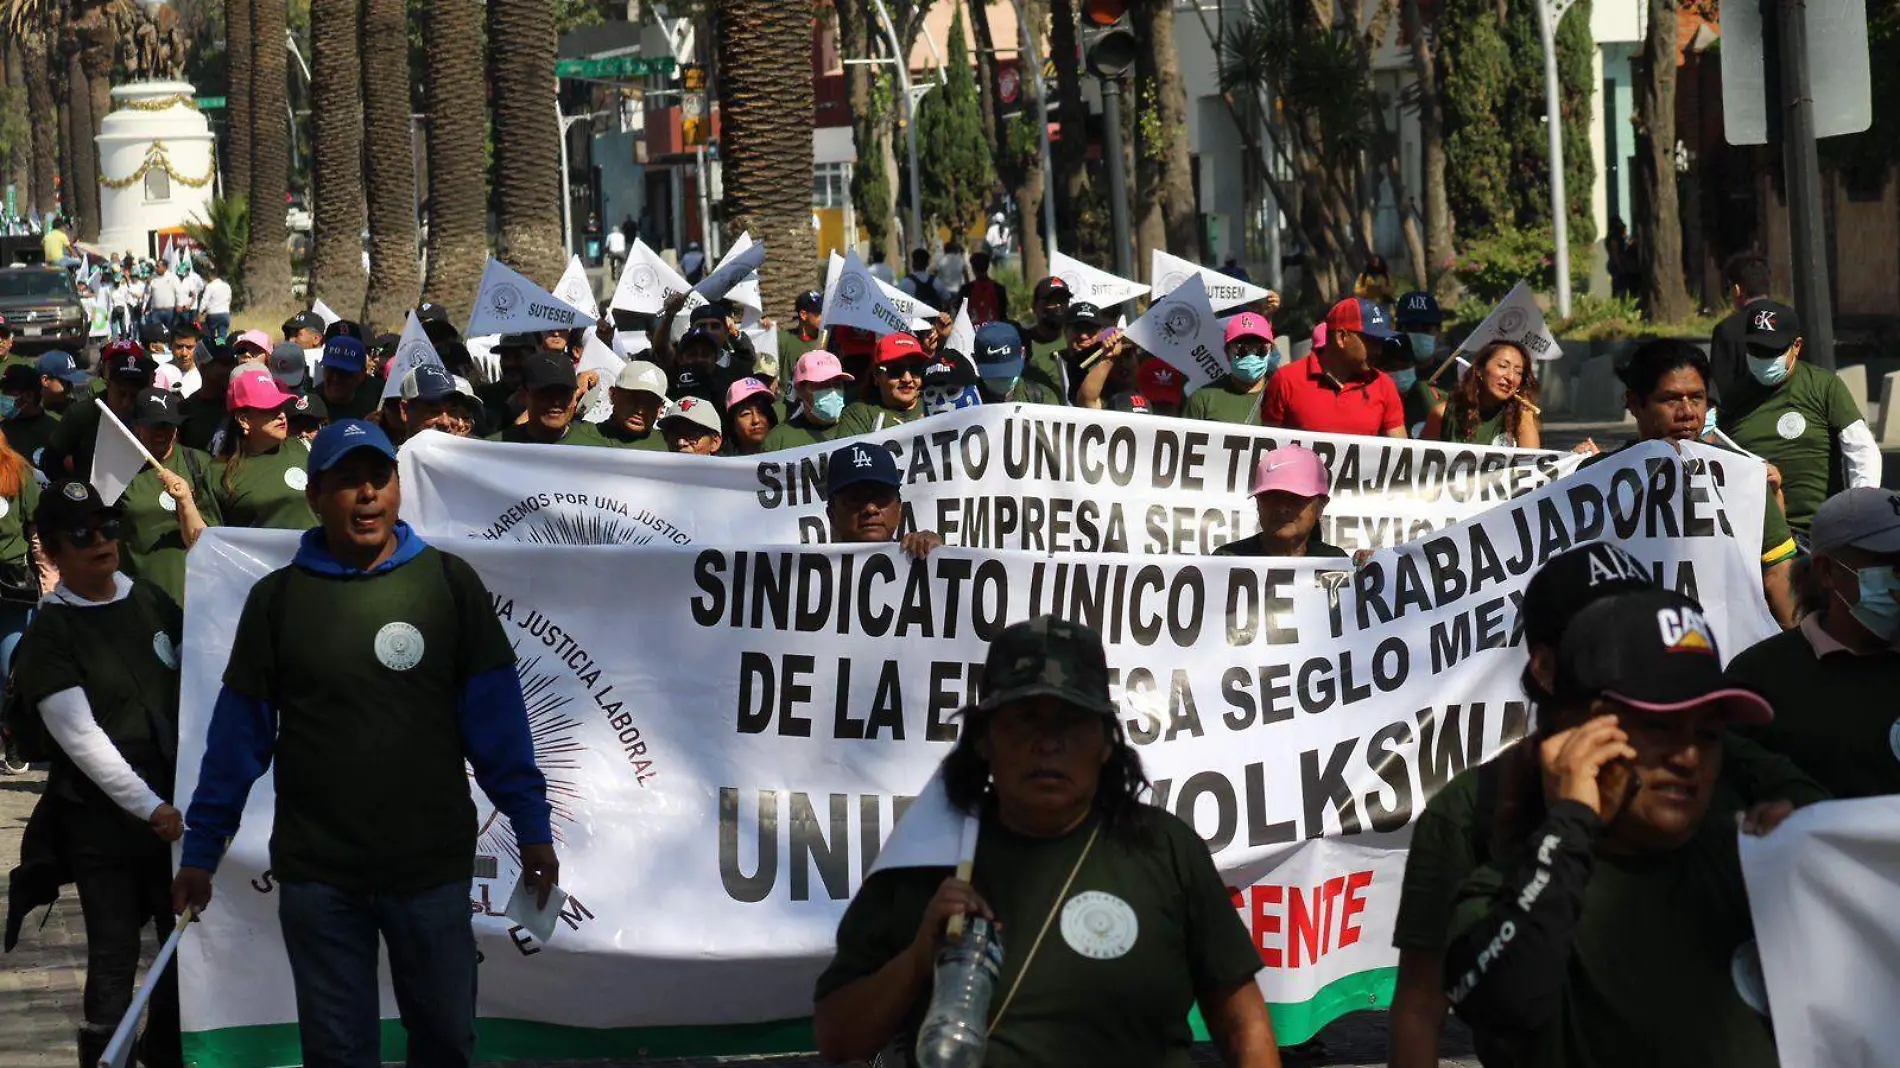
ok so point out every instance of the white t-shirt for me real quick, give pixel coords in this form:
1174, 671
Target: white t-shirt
616, 243
163, 292
217, 298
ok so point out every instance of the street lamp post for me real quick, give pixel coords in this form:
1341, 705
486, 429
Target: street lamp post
567, 199
1550, 14
910, 123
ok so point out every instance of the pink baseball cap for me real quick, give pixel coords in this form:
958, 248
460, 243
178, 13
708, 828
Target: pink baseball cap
1293, 469
740, 391
1248, 324
253, 387
817, 367
1319, 335
256, 339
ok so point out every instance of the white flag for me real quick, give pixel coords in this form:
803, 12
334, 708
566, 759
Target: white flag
577, 290
117, 457
929, 834
631, 343
323, 311
645, 282
1170, 272
596, 406
962, 339
764, 341
922, 316
746, 295
1182, 329
741, 260
856, 299
412, 351
1518, 320
1096, 286
507, 303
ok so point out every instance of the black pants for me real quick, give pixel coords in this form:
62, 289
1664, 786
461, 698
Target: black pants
124, 884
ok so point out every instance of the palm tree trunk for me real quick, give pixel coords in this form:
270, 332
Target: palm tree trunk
1072, 176
1019, 160
236, 158
458, 167
61, 63
336, 107
394, 281
98, 43
1665, 296
43, 117
84, 191
19, 164
1439, 248
267, 258
765, 98
1166, 215
528, 181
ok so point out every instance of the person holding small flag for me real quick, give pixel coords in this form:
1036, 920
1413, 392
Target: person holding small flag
1045, 336
1495, 402
821, 385
1251, 358
259, 478
165, 508
127, 371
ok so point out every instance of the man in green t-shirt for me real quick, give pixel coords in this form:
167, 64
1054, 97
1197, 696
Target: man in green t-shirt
63, 384
1290, 488
1798, 417
1001, 363
693, 426
348, 391
1833, 679
1237, 396
204, 409
127, 370
430, 398
638, 395
368, 673
553, 392
28, 425
820, 381
1045, 337
805, 333
164, 509
1606, 926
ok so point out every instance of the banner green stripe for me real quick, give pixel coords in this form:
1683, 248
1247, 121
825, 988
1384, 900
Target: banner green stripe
274, 1045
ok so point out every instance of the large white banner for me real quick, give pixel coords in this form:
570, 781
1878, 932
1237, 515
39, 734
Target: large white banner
1035, 478
731, 731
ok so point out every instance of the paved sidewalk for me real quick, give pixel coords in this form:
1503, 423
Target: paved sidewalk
41, 982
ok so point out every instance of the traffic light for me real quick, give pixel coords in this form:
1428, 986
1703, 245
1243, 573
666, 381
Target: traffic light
1108, 41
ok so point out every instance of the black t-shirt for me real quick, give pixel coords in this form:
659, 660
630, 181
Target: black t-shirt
1252, 545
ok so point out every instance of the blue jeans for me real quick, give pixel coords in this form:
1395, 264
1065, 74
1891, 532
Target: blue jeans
330, 936
216, 326
13, 623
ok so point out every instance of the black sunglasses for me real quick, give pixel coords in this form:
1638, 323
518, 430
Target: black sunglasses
899, 370
84, 537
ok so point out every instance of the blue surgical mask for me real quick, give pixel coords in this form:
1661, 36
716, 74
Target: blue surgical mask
7, 406
1424, 346
1769, 372
828, 404
1001, 387
1405, 379
1878, 609
1251, 368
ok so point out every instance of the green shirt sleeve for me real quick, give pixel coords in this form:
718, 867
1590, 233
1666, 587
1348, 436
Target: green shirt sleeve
202, 490
254, 646
1777, 541
484, 644
1221, 954
1439, 861
873, 931
1839, 404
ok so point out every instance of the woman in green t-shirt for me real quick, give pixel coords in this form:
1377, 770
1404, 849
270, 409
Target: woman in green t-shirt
751, 413
1044, 771
1495, 402
895, 393
260, 476
19, 573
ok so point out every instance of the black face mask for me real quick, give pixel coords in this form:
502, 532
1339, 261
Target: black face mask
86, 537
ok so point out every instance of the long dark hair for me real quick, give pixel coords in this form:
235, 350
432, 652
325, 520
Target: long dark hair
1118, 794
1521, 805
1469, 396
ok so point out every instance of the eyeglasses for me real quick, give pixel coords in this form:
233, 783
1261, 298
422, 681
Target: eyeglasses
85, 537
912, 370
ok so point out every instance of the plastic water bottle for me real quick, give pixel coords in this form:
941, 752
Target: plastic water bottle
956, 1028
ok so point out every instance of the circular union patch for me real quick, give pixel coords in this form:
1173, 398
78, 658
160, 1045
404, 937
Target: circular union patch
1098, 925
399, 646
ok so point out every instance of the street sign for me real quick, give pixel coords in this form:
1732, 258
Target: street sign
209, 103
610, 68
1839, 76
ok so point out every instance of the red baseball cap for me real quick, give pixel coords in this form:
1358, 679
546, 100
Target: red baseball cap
1361, 316
1159, 381
899, 346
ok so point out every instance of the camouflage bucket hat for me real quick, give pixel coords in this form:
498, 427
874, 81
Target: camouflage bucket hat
1048, 656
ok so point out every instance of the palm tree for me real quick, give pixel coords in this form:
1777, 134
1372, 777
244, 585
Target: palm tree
1165, 185
97, 46
336, 107
528, 182
458, 167
394, 282
1665, 294
765, 100
32, 24
84, 203
267, 257
19, 133
236, 157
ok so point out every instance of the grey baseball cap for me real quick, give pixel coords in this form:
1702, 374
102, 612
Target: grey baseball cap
1865, 517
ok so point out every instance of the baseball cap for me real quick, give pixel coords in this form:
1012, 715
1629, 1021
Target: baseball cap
698, 411
1081, 312
167, 376
343, 328
1248, 324
697, 333
339, 439
1771, 326
303, 321
288, 365
949, 371
894, 347
128, 364
19, 378
1160, 381
545, 369
714, 312
811, 300
639, 376
818, 367
61, 365
1293, 469
68, 505
1570, 581
1131, 402
764, 364
253, 387
430, 312
745, 388
346, 353
310, 406
1419, 309
256, 339
517, 341
1361, 316
1652, 650
860, 461
1865, 517
157, 407
999, 350
1047, 657
428, 382
1052, 287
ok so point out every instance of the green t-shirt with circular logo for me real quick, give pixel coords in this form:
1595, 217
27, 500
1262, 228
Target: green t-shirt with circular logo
1796, 426
266, 490
152, 545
